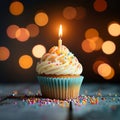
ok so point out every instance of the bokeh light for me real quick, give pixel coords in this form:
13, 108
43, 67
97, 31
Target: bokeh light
81, 13
91, 32
100, 5
38, 51
88, 46
96, 64
92, 44
98, 42
114, 29
25, 61
22, 34
4, 53
69, 12
41, 19
33, 30
11, 31
16, 8
108, 47
104, 70
111, 75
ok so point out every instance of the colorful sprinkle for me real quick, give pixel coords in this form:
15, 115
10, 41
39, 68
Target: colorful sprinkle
80, 101
103, 98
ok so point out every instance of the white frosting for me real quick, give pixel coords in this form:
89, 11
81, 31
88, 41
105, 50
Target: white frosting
54, 63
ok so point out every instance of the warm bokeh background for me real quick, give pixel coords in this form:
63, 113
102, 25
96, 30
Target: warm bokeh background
29, 28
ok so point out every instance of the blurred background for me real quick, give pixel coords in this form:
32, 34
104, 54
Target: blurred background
29, 28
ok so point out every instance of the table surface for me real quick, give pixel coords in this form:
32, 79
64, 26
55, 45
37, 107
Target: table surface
105, 105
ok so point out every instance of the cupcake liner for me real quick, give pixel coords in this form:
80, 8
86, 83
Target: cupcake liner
60, 88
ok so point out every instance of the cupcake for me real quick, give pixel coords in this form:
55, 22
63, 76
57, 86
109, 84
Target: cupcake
59, 74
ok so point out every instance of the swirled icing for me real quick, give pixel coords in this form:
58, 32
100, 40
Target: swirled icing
53, 63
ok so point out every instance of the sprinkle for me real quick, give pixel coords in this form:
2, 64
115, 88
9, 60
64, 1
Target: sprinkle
99, 93
103, 98
113, 99
94, 100
109, 94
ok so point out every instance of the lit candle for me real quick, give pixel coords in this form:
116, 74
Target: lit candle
60, 40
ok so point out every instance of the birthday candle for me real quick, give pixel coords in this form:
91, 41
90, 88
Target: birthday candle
60, 40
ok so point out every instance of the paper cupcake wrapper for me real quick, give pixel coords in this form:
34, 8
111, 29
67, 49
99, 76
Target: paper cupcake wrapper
60, 88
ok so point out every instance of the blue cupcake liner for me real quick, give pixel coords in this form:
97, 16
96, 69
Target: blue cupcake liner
60, 88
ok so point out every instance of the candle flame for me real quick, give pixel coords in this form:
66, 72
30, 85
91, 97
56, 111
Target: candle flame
60, 31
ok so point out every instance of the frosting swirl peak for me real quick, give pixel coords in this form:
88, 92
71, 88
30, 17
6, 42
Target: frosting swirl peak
53, 63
